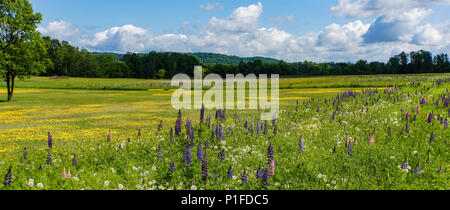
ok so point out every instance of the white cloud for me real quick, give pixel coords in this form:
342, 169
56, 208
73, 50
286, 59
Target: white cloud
211, 6
398, 27
240, 34
287, 19
336, 37
376, 8
61, 30
242, 19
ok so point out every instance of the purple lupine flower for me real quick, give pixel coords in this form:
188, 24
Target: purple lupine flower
404, 165
25, 153
445, 123
231, 129
439, 170
259, 173
187, 155
407, 128
172, 167
246, 126
199, 152
206, 144
333, 116
202, 113
171, 135
244, 177
159, 155
252, 129
230, 172
213, 133
258, 127
178, 124
265, 128
389, 131
74, 160
221, 155
205, 167
266, 177
275, 130
350, 150
217, 131
417, 170
221, 133
430, 118
49, 158
334, 150
50, 140
270, 153
301, 145
191, 135
139, 133
432, 137
8, 177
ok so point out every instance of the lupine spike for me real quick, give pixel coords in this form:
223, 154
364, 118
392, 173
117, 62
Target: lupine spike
171, 135
266, 177
74, 160
49, 157
252, 128
350, 150
270, 153
301, 145
202, 113
259, 173
417, 170
108, 138
265, 128
205, 167
50, 140
172, 167
244, 177
159, 157
272, 167
199, 152
8, 177
230, 172
25, 153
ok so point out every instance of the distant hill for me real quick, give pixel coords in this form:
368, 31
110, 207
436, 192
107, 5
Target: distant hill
214, 58
210, 58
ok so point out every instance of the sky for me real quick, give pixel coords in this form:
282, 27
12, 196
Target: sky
292, 30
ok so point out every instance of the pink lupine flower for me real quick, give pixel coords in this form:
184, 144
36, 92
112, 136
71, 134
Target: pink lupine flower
372, 140
272, 167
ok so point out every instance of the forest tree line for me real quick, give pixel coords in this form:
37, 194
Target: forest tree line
71, 61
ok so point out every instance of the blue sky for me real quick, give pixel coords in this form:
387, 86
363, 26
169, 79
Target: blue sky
325, 30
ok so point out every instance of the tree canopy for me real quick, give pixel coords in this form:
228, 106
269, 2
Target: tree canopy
23, 51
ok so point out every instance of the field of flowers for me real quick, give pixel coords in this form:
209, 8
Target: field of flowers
393, 135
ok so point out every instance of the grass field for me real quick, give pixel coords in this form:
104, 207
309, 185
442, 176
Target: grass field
309, 147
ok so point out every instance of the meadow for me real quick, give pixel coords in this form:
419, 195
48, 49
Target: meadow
332, 133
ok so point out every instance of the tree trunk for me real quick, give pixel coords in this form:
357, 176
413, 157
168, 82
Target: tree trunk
11, 92
10, 86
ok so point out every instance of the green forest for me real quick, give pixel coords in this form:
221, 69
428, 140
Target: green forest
67, 60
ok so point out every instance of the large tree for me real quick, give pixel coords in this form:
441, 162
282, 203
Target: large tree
23, 50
